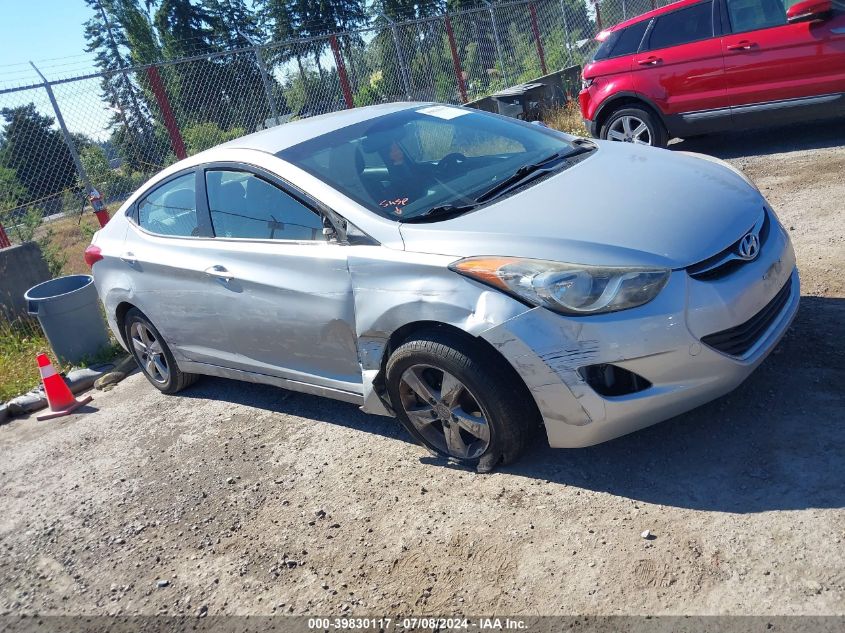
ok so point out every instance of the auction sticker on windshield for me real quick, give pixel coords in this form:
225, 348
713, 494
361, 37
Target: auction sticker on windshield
443, 112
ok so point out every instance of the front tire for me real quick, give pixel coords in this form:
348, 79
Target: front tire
153, 355
457, 398
635, 125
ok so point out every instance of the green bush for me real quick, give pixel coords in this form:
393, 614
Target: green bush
370, 93
202, 136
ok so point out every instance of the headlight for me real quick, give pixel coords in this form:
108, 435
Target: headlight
586, 83
567, 288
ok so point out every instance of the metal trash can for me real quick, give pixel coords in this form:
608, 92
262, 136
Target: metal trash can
69, 312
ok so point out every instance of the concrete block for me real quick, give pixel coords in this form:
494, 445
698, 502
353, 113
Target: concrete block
21, 267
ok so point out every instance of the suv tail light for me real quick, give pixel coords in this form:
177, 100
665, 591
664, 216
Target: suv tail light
93, 254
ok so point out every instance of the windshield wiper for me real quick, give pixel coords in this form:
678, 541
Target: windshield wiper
521, 175
441, 212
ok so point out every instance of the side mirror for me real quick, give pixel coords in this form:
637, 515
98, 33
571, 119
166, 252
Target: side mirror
809, 11
332, 234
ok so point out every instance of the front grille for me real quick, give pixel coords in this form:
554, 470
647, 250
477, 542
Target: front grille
736, 341
724, 263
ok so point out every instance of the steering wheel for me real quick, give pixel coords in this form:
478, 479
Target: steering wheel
448, 163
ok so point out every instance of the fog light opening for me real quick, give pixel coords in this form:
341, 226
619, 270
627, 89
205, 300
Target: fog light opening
610, 380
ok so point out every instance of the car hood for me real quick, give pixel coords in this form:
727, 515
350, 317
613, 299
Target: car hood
624, 205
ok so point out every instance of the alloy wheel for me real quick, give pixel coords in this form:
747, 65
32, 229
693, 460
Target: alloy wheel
630, 129
444, 411
150, 353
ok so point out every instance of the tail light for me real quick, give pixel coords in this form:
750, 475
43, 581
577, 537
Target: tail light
93, 254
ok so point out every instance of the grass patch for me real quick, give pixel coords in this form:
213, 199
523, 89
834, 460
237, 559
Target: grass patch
20, 342
566, 119
64, 241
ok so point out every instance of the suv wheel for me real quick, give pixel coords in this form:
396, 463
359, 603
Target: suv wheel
634, 125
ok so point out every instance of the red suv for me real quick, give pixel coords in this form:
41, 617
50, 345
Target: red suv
696, 67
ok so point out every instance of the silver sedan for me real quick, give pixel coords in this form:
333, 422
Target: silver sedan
477, 277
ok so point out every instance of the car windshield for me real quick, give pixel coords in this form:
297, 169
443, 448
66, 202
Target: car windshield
408, 163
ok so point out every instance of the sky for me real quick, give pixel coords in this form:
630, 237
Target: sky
50, 33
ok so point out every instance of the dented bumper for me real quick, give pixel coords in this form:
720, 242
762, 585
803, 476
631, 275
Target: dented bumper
660, 342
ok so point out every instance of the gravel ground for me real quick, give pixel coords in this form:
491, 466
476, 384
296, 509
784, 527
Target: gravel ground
244, 499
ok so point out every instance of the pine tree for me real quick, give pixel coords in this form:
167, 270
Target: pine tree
237, 27
224, 89
36, 152
132, 126
186, 30
138, 29
294, 19
400, 10
278, 18
421, 44
234, 24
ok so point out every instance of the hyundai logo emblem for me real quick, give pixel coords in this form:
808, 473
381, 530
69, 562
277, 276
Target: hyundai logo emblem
749, 247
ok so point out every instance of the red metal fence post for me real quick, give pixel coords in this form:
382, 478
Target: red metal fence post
157, 87
536, 30
4, 239
341, 72
456, 61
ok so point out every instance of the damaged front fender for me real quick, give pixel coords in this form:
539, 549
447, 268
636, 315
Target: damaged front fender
392, 291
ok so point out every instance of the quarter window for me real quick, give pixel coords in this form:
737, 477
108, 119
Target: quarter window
683, 26
750, 15
243, 205
624, 42
171, 209
629, 40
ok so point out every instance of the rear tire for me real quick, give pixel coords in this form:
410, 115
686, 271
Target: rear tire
153, 355
458, 399
635, 125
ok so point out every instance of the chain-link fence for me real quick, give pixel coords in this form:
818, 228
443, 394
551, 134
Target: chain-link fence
67, 141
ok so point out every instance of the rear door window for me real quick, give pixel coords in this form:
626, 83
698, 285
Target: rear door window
171, 209
682, 27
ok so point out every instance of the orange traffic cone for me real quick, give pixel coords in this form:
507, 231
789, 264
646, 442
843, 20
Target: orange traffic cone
59, 397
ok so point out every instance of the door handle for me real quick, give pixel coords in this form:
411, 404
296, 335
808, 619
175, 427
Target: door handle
128, 258
743, 45
649, 61
219, 272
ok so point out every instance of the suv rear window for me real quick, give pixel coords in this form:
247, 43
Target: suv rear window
623, 42
683, 26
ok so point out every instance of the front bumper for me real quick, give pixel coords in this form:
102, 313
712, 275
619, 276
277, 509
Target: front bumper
660, 341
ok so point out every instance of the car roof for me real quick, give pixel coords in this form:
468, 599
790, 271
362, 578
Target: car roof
280, 137
647, 16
